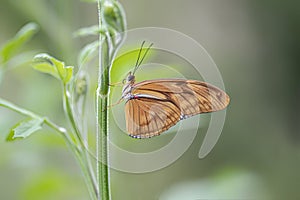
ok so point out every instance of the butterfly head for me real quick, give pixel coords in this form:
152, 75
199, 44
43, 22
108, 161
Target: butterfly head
130, 79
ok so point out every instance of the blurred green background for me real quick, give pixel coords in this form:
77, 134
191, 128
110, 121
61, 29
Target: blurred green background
255, 44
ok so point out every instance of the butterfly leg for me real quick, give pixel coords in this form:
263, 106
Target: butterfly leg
112, 105
118, 102
118, 84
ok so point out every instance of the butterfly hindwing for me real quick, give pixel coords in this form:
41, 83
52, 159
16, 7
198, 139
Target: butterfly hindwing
146, 117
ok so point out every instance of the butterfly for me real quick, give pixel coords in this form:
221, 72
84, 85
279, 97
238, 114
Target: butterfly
153, 106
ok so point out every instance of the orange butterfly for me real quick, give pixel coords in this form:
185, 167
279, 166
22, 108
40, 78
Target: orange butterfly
153, 106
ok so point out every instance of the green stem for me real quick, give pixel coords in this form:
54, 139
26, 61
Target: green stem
102, 113
112, 22
82, 157
69, 112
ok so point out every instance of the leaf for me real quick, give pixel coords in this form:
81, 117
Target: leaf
88, 52
24, 129
11, 47
48, 64
10, 136
114, 15
68, 74
44, 63
87, 31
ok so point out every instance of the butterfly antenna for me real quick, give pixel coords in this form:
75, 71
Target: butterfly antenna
139, 64
138, 58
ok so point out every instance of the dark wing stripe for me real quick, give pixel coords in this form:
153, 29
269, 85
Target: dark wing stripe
188, 107
147, 121
139, 120
156, 125
211, 92
151, 112
205, 101
162, 105
161, 122
132, 112
127, 113
173, 118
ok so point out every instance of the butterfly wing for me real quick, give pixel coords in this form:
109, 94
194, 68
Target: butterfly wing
185, 97
191, 96
146, 117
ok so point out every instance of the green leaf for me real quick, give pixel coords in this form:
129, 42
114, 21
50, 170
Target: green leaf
24, 129
88, 52
87, 31
11, 47
10, 136
68, 74
44, 63
114, 15
48, 64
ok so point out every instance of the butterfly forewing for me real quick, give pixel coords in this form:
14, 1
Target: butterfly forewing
160, 104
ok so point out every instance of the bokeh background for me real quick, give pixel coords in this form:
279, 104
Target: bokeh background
255, 44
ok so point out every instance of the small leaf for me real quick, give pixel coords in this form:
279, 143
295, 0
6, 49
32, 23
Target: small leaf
10, 136
11, 47
69, 73
43, 63
114, 15
87, 31
88, 52
48, 64
25, 128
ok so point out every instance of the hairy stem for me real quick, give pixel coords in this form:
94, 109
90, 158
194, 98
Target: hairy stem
112, 23
82, 156
102, 114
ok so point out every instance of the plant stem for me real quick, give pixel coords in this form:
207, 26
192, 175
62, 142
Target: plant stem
82, 156
113, 24
69, 112
102, 113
